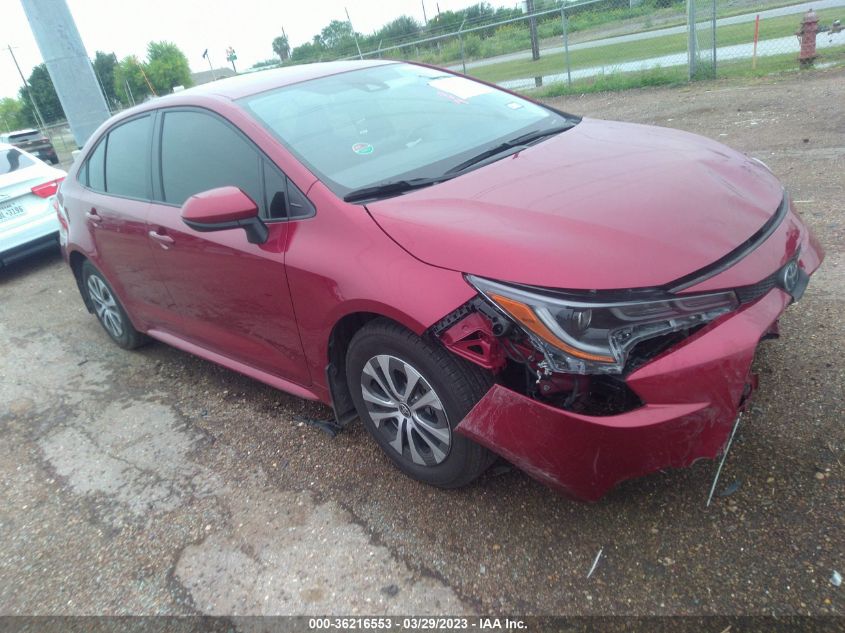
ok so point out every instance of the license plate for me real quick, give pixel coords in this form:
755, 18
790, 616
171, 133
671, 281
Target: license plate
10, 211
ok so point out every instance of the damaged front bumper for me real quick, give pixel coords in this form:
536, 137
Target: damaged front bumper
691, 394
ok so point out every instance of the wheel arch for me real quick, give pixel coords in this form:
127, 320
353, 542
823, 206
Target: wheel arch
76, 260
338, 344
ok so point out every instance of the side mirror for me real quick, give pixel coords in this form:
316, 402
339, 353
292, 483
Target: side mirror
222, 209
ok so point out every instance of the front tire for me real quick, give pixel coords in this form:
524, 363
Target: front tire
411, 395
108, 309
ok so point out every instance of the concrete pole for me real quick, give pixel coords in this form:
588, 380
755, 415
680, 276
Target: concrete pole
68, 64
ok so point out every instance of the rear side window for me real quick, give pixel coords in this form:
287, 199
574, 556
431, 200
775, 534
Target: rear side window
127, 159
96, 168
200, 152
12, 160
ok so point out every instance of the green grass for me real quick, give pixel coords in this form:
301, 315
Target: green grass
766, 66
612, 54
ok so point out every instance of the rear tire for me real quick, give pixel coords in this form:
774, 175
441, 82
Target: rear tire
108, 309
410, 395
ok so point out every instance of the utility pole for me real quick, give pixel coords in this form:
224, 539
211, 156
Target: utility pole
425, 19
532, 27
69, 66
210, 67
39, 120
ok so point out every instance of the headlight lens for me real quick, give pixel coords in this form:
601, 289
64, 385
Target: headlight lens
585, 336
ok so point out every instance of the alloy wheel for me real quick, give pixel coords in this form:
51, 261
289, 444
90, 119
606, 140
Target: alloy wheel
406, 410
105, 306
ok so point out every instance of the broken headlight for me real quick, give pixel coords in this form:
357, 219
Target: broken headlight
587, 336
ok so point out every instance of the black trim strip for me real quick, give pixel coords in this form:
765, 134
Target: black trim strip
723, 263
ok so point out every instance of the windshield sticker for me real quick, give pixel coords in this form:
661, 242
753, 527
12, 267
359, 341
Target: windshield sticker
362, 149
513, 105
460, 87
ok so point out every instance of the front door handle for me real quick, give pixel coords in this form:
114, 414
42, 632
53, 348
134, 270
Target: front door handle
164, 240
93, 216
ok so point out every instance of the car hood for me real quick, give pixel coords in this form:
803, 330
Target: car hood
605, 205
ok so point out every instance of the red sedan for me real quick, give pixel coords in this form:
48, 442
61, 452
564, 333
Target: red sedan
467, 271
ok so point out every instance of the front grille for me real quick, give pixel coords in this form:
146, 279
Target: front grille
747, 294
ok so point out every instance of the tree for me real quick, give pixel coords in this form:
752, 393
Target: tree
42, 91
402, 28
11, 115
281, 47
166, 67
308, 52
338, 37
104, 65
129, 83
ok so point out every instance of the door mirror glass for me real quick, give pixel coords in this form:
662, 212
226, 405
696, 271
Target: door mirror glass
222, 209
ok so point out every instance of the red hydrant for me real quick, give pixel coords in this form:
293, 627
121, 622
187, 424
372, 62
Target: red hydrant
807, 36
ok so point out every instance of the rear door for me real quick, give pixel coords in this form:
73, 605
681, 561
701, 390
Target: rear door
233, 296
115, 202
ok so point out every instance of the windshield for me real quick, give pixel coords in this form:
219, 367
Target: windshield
398, 121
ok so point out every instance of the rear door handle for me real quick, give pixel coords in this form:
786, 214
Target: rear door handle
164, 240
95, 217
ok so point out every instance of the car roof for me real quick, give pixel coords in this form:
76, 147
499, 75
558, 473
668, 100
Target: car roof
260, 81
19, 132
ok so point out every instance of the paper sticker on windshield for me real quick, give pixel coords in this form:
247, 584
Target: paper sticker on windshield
513, 105
362, 149
460, 87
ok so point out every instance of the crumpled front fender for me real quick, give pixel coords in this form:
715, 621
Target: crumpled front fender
692, 394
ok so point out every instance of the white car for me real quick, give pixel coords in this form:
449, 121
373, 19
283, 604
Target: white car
28, 218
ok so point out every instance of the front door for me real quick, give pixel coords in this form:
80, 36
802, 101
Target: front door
232, 296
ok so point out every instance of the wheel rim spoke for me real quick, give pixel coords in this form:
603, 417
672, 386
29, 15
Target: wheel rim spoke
384, 365
412, 445
380, 416
440, 433
433, 446
428, 399
374, 398
371, 370
398, 441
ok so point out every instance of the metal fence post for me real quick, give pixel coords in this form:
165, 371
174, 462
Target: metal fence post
714, 38
461, 38
566, 46
691, 41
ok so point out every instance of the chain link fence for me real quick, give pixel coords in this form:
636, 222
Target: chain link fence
606, 44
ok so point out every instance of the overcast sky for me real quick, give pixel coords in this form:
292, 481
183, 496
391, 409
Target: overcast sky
249, 26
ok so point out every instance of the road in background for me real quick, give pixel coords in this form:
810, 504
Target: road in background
646, 35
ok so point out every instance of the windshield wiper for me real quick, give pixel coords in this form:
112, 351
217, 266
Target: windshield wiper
392, 188
397, 187
523, 139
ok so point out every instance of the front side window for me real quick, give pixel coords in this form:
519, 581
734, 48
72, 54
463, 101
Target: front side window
127, 159
397, 121
200, 152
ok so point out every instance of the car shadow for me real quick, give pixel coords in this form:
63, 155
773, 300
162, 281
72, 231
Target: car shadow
30, 265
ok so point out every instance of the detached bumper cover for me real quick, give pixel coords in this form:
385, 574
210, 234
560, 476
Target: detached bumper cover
692, 395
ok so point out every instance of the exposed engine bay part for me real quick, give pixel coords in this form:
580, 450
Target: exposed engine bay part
482, 335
